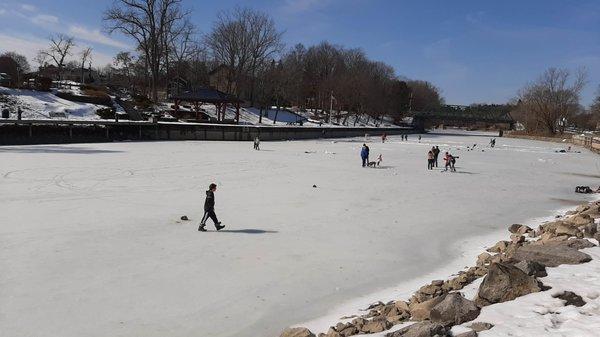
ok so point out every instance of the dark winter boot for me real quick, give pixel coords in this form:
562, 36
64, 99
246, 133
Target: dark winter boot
219, 227
202, 228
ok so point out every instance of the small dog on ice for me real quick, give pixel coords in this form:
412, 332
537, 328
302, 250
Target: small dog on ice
375, 163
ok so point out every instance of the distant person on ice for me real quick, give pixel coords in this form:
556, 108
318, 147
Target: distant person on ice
257, 143
450, 161
364, 155
430, 158
419, 138
209, 209
436, 154
383, 137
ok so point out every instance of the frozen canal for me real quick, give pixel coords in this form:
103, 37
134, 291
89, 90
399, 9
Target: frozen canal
91, 245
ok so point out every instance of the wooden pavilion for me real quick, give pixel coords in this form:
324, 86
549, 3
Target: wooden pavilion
201, 96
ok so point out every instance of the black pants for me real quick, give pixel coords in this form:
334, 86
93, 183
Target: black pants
435, 161
430, 164
209, 214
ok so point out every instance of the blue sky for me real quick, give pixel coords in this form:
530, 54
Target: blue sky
475, 51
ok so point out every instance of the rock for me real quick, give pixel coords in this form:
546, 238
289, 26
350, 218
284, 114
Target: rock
517, 238
421, 311
514, 228
580, 220
582, 208
590, 230
551, 254
314, 186
579, 243
429, 291
481, 326
376, 325
296, 332
454, 310
565, 228
349, 330
483, 259
401, 305
499, 247
571, 298
532, 268
505, 282
421, 329
184, 218
375, 305
467, 334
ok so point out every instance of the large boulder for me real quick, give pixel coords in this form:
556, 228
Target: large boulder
297, 332
421, 329
551, 254
421, 311
454, 309
505, 282
532, 268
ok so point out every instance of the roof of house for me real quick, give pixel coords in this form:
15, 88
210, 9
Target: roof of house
205, 95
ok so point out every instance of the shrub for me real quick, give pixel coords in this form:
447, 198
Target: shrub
106, 113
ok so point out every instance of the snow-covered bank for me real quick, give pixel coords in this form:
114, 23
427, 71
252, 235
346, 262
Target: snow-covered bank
42, 105
469, 249
91, 233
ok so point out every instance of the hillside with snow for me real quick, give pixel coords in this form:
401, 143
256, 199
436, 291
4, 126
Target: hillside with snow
45, 105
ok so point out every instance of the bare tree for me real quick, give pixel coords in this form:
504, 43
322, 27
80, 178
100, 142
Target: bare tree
243, 40
20, 59
60, 47
85, 56
148, 22
551, 99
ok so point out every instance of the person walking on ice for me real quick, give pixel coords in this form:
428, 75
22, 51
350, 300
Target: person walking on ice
209, 209
257, 143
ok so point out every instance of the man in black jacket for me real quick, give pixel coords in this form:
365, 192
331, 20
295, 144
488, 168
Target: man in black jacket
209, 209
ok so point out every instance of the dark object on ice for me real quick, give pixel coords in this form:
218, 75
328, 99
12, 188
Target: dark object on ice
571, 298
584, 189
184, 218
202, 228
314, 186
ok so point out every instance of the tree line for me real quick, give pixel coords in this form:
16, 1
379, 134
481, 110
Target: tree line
172, 55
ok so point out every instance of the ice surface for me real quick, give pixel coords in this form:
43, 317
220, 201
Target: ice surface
91, 243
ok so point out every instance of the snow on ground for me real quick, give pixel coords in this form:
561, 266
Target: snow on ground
91, 243
539, 314
39, 105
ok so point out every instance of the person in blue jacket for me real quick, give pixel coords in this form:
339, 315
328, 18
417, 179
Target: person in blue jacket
364, 155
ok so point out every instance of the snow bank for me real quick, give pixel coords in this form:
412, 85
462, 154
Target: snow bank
43, 105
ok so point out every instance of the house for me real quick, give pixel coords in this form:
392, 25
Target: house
5, 80
9, 69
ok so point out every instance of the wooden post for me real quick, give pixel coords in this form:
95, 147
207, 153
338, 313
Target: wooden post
71, 131
237, 113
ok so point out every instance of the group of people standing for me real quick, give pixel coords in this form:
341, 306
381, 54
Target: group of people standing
432, 157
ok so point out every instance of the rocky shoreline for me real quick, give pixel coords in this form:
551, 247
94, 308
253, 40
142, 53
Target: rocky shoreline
508, 270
